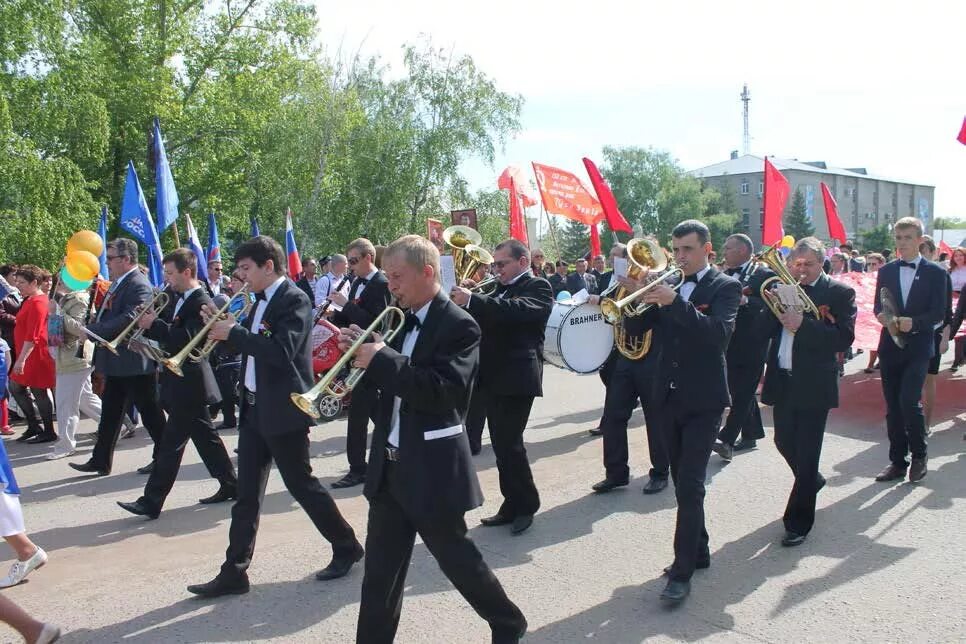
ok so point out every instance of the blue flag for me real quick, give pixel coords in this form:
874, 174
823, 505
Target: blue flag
214, 246
136, 219
255, 232
102, 231
166, 206
195, 245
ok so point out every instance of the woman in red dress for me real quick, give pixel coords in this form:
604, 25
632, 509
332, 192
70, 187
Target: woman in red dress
33, 371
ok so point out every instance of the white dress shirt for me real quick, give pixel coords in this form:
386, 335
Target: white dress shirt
327, 284
260, 307
787, 344
688, 287
362, 287
184, 297
409, 343
906, 277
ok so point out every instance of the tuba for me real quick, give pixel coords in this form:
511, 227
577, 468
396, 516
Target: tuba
643, 255
468, 255
771, 258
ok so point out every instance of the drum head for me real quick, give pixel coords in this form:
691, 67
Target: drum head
578, 339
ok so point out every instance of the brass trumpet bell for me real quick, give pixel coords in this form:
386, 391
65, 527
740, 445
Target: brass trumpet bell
458, 238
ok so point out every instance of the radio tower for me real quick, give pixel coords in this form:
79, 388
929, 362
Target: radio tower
746, 139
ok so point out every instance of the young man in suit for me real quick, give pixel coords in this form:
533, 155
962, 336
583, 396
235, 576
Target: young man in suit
691, 387
513, 319
308, 281
421, 477
747, 350
802, 378
919, 289
368, 297
275, 343
129, 377
185, 398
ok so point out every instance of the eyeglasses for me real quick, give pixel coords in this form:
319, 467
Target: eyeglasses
503, 262
111, 257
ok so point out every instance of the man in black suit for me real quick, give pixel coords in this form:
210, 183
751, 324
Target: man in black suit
421, 478
513, 319
919, 289
129, 377
558, 281
368, 297
580, 279
275, 341
802, 378
307, 280
691, 386
747, 350
185, 398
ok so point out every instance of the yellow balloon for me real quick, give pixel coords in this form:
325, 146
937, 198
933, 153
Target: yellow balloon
86, 240
788, 241
82, 265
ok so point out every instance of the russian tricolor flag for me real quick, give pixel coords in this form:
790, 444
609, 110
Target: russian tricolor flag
214, 246
294, 262
195, 245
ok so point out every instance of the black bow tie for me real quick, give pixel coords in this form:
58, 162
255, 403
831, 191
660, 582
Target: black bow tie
362, 280
905, 264
691, 278
734, 271
412, 322
260, 296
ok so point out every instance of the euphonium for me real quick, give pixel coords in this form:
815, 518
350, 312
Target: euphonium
458, 238
306, 401
771, 258
155, 306
190, 351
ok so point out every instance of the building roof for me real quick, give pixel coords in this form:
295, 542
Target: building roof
749, 163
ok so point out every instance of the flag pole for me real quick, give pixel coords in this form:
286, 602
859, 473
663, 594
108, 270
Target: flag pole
553, 235
177, 237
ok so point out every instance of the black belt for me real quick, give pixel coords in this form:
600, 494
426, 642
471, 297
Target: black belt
249, 397
392, 454
785, 372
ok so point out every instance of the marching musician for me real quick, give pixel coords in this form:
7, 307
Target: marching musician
747, 350
919, 289
476, 413
275, 342
129, 377
186, 399
695, 322
421, 478
368, 297
512, 319
802, 378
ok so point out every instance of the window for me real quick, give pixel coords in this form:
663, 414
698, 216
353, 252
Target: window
745, 217
744, 186
761, 218
761, 188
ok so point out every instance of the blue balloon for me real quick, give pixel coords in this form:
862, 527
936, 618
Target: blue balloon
73, 283
563, 295
785, 250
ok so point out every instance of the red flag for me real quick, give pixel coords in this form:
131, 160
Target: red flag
962, 133
564, 194
776, 194
518, 224
836, 230
615, 220
944, 248
515, 175
594, 241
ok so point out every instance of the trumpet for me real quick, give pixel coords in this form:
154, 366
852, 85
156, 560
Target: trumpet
155, 306
191, 351
306, 401
771, 258
488, 283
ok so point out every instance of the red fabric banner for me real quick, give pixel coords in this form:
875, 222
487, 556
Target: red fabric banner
962, 133
776, 194
594, 241
867, 328
518, 224
944, 248
514, 174
615, 220
836, 230
563, 194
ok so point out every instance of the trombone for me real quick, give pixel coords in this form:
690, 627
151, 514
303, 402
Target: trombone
191, 351
771, 258
156, 306
306, 401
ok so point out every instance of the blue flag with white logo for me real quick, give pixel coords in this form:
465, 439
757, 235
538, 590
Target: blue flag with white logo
136, 220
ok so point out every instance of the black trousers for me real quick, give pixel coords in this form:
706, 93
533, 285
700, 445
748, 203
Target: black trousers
290, 451
507, 418
690, 435
389, 547
36, 406
744, 417
227, 378
475, 420
798, 437
902, 382
630, 382
191, 422
142, 391
364, 406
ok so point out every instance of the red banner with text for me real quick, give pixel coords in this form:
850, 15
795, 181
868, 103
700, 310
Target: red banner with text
563, 194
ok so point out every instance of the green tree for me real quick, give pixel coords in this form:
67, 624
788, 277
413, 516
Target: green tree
949, 223
796, 223
878, 239
574, 240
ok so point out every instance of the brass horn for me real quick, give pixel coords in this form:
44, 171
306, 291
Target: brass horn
771, 257
190, 351
155, 306
458, 238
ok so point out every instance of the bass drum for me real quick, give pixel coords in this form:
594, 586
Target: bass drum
577, 338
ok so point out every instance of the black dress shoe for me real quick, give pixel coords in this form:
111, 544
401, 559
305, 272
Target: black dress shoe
700, 565
521, 524
820, 484
349, 480
475, 451
221, 585
724, 450
224, 493
340, 565
745, 444
675, 591
607, 485
496, 519
147, 469
139, 508
654, 485
226, 425
596, 431
917, 470
89, 468
792, 539
892, 473
27, 435
42, 438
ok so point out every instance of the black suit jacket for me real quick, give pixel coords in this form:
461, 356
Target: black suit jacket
575, 283
436, 472
511, 362
748, 346
306, 288
694, 337
116, 314
557, 283
815, 367
364, 309
927, 305
198, 386
282, 347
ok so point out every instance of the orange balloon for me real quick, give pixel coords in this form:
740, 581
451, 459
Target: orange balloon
82, 265
86, 240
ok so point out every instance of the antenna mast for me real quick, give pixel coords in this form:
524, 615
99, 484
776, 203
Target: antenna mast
746, 139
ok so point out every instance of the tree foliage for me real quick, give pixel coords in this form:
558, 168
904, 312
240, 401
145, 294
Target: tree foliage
797, 224
877, 239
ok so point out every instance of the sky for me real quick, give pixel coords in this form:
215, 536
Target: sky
880, 85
